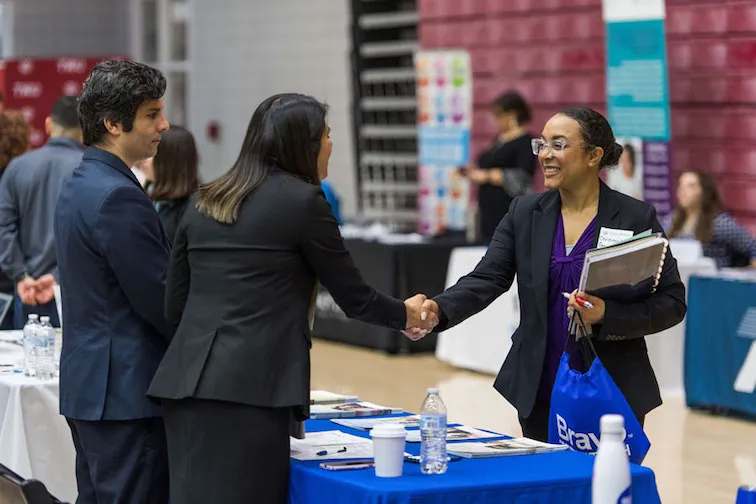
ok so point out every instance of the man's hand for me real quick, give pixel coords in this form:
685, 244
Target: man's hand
27, 291
422, 316
593, 315
44, 289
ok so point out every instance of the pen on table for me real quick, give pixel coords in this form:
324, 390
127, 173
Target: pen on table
581, 302
325, 452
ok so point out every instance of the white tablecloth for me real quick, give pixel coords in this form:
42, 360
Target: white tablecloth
481, 343
35, 440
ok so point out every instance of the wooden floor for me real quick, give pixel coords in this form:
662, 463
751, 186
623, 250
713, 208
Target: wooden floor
698, 458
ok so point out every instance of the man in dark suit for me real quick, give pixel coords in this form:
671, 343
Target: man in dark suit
112, 258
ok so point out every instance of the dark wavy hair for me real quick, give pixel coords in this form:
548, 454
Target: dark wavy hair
711, 205
114, 91
285, 133
175, 165
596, 133
14, 137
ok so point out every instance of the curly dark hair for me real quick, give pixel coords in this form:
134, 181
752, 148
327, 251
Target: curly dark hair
14, 137
114, 91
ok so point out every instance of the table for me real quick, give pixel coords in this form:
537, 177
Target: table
35, 440
563, 477
481, 343
720, 343
397, 269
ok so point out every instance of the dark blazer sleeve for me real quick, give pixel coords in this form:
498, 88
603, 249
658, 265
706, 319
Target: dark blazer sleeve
177, 285
491, 278
661, 310
324, 251
127, 230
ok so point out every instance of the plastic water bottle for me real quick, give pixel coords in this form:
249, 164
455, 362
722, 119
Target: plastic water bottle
30, 352
433, 457
611, 470
45, 349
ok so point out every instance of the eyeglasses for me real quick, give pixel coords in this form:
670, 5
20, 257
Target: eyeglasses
538, 144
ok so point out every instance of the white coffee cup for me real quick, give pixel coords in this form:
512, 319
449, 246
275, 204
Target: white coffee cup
388, 449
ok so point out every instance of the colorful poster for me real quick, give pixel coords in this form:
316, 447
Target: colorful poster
444, 117
638, 97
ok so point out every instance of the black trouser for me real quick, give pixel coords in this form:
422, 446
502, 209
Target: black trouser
229, 453
120, 462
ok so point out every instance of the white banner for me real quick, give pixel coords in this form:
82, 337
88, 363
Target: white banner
633, 10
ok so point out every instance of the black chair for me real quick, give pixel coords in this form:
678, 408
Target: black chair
16, 490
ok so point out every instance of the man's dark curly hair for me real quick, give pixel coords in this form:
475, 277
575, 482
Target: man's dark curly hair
115, 90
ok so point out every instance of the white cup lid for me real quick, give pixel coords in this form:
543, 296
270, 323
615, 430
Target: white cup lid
389, 430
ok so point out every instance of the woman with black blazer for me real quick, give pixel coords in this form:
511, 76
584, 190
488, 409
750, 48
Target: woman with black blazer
173, 176
244, 266
543, 240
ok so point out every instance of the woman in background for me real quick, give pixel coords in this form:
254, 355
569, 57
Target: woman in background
172, 176
14, 141
506, 169
699, 215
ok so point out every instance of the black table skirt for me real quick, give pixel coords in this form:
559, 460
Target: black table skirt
399, 270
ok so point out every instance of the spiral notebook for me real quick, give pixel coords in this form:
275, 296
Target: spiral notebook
626, 270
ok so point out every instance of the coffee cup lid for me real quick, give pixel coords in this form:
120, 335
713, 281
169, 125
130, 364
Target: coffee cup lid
388, 430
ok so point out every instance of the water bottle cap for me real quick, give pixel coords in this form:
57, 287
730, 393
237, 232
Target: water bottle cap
33, 316
433, 390
45, 319
612, 424
389, 430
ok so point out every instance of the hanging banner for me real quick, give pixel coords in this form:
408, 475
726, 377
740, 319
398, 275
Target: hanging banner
638, 99
32, 86
444, 117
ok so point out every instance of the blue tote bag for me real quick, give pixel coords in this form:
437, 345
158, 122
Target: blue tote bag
579, 400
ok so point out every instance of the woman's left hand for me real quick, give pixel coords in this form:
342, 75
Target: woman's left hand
594, 315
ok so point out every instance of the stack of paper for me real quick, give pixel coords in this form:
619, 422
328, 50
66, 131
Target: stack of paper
325, 397
331, 445
624, 265
350, 410
459, 433
366, 424
502, 448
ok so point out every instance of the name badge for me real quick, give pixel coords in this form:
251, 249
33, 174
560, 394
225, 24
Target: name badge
609, 236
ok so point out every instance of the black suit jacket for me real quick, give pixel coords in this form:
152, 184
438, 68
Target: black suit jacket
240, 295
170, 213
522, 246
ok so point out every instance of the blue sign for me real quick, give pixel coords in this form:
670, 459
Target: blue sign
637, 79
720, 344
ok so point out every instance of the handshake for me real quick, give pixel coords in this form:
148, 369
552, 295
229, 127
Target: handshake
422, 316
36, 292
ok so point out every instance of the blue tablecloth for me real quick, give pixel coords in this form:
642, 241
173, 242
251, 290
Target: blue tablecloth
720, 332
563, 478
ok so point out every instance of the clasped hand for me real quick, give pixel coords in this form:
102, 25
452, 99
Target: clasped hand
422, 316
34, 292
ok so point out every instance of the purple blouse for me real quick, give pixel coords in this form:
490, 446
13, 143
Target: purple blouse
564, 276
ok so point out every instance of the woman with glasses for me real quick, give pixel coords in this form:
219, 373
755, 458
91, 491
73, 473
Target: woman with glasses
543, 240
505, 170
